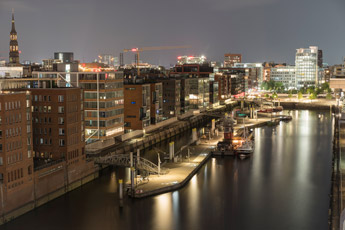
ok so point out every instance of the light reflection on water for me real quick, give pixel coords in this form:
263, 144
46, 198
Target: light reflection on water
284, 185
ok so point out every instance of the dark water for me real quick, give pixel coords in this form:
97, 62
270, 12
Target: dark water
285, 185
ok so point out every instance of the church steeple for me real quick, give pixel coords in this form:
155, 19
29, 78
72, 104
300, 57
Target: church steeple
14, 52
13, 25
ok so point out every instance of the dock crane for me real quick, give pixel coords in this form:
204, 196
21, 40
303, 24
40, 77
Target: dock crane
138, 50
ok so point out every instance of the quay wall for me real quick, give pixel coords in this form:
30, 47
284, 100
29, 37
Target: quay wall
160, 135
47, 184
306, 106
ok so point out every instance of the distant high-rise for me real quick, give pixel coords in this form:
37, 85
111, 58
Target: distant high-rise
231, 59
108, 60
64, 57
14, 53
307, 67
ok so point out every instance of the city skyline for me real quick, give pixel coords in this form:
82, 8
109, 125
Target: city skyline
209, 28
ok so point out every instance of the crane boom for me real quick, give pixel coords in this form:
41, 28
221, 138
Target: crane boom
155, 48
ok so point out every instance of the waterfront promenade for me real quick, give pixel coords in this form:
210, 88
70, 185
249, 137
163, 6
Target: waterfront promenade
183, 170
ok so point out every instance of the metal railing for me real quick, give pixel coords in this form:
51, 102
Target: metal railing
125, 161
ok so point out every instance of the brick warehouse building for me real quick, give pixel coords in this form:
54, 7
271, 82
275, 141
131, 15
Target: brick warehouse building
16, 162
58, 124
59, 164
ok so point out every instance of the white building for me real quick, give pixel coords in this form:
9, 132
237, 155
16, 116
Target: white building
255, 73
285, 75
181, 60
306, 62
11, 72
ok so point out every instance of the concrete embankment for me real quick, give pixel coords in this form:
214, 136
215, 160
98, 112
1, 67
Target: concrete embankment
156, 137
306, 106
180, 173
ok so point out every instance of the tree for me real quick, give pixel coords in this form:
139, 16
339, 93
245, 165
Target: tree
329, 96
325, 86
290, 94
310, 90
279, 86
271, 85
300, 95
264, 85
318, 91
294, 91
312, 96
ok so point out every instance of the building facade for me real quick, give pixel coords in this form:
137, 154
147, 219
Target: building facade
171, 97
306, 63
254, 72
224, 88
231, 59
103, 104
137, 105
16, 161
195, 83
64, 57
58, 125
284, 74
156, 102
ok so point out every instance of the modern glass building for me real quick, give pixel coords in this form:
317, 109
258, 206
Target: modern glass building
103, 104
306, 62
285, 75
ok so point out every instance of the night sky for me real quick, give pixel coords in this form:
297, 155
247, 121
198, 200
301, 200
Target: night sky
262, 30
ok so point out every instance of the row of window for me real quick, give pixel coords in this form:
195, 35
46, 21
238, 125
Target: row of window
12, 145
13, 48
12, 105
48, 141
72, 154
107, 104
93, 123
14, 118
109, 85
61, 98
43, 141
41, 109
105, 114
43, 154
12, 132
106, 95
41, 98
13, 158
43, 131
15, 175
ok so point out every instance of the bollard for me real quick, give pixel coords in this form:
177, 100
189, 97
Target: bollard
132, 182
194, 135
171, 150
121, 193
213, 125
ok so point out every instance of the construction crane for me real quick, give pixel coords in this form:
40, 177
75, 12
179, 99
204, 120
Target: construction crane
138, 50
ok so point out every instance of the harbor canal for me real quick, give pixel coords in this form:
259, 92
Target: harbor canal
284, 185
